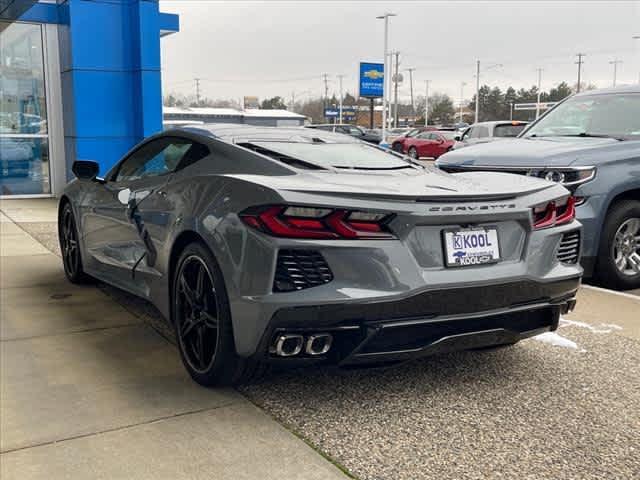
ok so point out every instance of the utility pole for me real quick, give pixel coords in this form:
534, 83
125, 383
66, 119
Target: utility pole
413, 110
395, 93
340, 77
385, 17
197, 80
325, 77
539, 86
511, 112
426, 103
477, 93
293, 100
615, 64
579, 63
462, 84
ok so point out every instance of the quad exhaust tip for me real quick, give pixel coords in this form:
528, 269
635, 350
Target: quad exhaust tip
290, 345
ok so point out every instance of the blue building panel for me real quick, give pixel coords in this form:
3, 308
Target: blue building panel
110, 73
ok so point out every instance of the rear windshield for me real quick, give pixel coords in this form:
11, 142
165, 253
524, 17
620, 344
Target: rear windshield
338, 155
508, 130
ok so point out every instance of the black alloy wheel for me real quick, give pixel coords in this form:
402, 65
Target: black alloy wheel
70, 247
196, 310
202, 319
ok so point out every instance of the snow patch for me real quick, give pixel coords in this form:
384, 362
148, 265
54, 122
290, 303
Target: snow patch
602, 328
553, 338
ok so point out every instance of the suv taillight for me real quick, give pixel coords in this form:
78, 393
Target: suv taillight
554, 213
317, 223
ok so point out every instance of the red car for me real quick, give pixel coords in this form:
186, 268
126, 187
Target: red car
397, 145
429, 144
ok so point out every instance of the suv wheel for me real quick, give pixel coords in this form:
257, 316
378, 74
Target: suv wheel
618, 264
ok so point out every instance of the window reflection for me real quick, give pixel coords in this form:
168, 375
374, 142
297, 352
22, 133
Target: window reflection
24, 146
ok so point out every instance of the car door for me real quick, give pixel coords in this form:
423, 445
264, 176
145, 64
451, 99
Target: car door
117, 235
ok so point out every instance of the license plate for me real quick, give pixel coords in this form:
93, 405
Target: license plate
468, 247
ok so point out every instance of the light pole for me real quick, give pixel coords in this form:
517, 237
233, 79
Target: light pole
385, 17
340, 79
635, 43
539, 86
495, 65
615, 64
462, 85
426, 103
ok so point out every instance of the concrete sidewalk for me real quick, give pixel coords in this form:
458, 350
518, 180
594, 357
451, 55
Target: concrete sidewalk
88, 390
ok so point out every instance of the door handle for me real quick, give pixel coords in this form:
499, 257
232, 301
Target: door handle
162, 193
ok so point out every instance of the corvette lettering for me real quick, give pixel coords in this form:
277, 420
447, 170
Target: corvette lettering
471, 208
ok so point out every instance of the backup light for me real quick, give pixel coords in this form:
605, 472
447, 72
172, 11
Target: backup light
317, 223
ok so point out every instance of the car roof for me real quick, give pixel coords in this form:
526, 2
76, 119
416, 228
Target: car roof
234, 133
603, 91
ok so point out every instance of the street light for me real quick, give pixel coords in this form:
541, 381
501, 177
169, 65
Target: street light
426, 103
385, 17
636, 37
462, 85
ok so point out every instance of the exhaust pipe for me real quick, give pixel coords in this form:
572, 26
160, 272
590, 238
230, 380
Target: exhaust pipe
289, 345
318, 344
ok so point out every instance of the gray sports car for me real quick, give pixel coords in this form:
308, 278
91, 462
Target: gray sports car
290, 246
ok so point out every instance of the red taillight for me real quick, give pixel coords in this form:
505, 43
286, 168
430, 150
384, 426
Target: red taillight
553, 214
334, 225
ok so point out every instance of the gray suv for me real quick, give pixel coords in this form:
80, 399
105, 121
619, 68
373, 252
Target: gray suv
590, 143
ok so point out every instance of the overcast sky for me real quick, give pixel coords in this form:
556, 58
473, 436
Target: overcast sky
273, 48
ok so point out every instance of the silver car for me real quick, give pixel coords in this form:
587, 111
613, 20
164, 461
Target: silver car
290, 246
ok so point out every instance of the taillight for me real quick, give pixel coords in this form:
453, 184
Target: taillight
554, 213
317, 223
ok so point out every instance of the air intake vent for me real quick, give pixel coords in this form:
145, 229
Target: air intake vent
569, 249
300, 269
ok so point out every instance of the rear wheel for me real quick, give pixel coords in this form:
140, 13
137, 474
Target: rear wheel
618, 263
413, 153
70, 247
202, 321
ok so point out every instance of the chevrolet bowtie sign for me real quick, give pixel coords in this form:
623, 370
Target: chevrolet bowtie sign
371, 80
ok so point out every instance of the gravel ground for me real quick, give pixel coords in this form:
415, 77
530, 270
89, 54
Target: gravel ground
532, 411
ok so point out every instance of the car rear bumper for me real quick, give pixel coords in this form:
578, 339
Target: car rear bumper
429, 323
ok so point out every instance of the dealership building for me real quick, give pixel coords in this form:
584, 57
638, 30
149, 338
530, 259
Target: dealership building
79, 79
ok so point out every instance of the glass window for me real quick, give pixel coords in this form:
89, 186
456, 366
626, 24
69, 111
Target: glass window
508, 130
155, 158
24, 146
337, 155
609, 115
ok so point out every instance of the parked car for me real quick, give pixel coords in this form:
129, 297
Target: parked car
398, 143
347, 129
484, 132
395, 133
591, 144
265, 246
429, 144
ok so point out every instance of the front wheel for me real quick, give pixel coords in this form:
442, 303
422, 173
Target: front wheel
202, 321
618, 263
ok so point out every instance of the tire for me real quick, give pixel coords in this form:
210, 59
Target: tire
413, 153
620, 239
202, 320
70, 247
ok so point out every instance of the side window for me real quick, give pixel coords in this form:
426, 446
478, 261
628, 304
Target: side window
355, 131
483, 131
157, 157
472, 132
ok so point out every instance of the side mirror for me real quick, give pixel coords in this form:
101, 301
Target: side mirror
457, 138
85, 169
